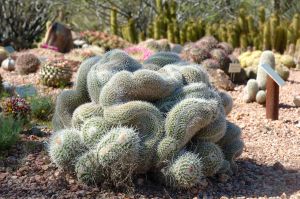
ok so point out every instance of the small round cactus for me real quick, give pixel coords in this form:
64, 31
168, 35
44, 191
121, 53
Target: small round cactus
65, 146
56, 73
261, 97
27, 63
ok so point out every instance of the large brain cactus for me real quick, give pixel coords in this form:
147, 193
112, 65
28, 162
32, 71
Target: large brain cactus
123, 119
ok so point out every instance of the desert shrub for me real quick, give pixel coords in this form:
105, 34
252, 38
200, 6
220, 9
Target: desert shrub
23, 22
41, 107
9, 131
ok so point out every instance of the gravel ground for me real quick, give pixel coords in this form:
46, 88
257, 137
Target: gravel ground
268, 168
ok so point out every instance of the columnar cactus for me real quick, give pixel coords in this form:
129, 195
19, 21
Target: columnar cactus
122, 119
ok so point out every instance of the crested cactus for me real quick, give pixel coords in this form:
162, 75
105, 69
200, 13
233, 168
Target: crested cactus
163, 58
84, 112
123, 118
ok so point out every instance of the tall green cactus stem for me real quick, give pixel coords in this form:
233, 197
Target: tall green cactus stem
113, 22
251, 90
296, 25
185, 171
132, 33
211, 156
261, 15
267, 45
85, 111
280, 39
157, 25
159, 6
267, 57
244, 41
64, 147
171, 35
274, 23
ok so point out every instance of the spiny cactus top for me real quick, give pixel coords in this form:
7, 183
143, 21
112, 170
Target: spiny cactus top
125, 120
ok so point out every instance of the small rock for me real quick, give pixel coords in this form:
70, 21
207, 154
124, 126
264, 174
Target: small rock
278, 166
24, 91
3, 176
297, 100
8, 64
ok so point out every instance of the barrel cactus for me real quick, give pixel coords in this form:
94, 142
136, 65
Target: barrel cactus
27, 63
127, 120
56, 73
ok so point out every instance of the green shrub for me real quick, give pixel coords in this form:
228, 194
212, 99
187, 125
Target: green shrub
41, 107
9, 131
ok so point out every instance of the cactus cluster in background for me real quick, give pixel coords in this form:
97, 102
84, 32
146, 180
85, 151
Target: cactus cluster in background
216, 57
265, 31
255, 89
104, 40
122, 119
250, 62
27, 63
56, 73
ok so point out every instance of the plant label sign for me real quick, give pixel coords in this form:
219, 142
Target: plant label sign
234, 68
9, 49
270, 71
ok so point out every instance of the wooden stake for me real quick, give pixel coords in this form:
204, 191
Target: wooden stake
272, 99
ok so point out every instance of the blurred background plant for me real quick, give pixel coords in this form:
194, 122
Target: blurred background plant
41, 107
132, 20
9, 131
